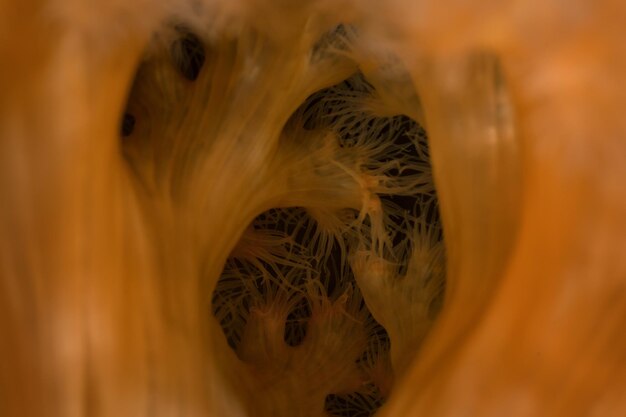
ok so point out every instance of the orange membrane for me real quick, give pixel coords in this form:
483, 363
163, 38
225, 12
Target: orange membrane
249, 208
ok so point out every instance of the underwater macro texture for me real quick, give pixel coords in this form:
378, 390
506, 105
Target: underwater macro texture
349, 208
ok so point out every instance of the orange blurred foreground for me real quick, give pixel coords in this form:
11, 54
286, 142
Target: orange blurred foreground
111, 247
